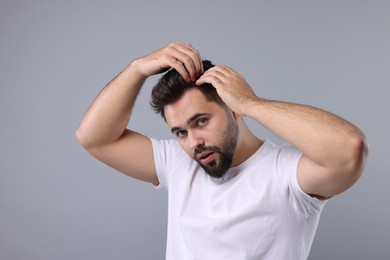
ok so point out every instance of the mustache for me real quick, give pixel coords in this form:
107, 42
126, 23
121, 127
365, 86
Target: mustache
202, 149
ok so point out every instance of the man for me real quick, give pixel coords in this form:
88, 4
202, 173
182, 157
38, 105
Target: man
231, 195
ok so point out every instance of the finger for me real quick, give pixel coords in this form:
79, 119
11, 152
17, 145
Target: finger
196, 61
176, 57
210, 78
183, 56
213, 73
226, 69
222, 71
195, 57
179, 67
188, 57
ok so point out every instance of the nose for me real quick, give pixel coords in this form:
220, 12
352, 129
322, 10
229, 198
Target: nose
195, 140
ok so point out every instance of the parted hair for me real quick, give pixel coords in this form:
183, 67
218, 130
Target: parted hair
171, 87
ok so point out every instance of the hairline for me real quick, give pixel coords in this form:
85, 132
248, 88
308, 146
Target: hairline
223, 105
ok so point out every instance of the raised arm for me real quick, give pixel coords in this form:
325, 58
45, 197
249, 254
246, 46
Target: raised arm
103, 132
334, 150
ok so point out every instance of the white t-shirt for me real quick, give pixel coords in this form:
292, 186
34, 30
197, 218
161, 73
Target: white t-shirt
258, 211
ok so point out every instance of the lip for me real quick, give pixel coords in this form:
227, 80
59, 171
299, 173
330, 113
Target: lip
205, 157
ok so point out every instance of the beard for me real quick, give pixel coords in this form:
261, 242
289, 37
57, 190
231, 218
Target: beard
223, 154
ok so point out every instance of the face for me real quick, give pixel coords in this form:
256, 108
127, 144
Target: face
207, 131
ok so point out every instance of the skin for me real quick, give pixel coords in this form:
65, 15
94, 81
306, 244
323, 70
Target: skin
334, 150
202, 126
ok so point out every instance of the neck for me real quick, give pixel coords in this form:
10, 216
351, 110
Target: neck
247, 144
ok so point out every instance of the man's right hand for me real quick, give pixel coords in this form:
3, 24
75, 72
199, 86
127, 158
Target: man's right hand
179, 56
103, 132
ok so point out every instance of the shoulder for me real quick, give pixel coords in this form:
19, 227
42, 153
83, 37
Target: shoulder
281, 153
171, 161
166, 146
168, 153
278, 161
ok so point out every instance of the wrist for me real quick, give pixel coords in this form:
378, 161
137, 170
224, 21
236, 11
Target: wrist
135, 69
252, 105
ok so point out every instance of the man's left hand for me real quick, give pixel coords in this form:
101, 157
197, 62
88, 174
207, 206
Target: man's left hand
230, 86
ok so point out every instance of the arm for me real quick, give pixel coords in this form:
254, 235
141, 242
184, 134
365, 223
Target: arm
334, 150
103, 132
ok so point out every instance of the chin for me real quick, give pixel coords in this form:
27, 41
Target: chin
215, 171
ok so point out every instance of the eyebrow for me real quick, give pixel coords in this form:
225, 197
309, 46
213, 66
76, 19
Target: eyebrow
190, 120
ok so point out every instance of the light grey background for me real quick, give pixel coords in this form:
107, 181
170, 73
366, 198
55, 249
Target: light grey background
57, 202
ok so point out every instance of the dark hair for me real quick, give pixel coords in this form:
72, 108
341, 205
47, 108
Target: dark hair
171, 87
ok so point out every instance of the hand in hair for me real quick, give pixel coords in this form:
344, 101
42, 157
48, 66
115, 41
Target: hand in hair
231, 87
180, 56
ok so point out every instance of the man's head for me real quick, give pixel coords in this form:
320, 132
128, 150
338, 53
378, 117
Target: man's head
172, 86
204, 126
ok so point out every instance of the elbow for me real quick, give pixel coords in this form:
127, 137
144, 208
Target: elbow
90, 139
82, 138
359, 150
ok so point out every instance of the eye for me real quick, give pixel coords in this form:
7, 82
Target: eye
181, 133
202, 121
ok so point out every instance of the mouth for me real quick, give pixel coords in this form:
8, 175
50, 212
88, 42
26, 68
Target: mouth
205, 157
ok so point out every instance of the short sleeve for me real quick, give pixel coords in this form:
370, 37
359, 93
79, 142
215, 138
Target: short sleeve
287, 165
165, 153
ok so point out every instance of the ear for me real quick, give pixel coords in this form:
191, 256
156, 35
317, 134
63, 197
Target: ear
236, 116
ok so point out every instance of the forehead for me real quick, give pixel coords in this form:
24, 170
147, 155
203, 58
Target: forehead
191, 103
